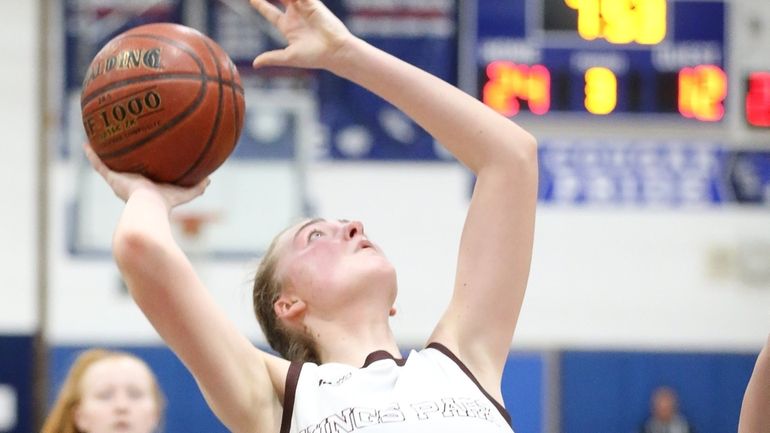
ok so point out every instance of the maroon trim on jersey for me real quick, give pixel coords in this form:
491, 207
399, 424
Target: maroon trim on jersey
289, 392
445, 350
379, 355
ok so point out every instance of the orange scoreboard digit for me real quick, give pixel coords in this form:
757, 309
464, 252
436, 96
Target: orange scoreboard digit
509, 83
702, 91
609, 57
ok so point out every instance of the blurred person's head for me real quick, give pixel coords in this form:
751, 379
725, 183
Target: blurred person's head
107, 392
664, 404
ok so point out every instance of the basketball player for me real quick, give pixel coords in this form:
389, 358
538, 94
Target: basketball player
755, 412
324, 291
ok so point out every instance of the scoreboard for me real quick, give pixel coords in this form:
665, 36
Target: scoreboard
614, 58
637, 69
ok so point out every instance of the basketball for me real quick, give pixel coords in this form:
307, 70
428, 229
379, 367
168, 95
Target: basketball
165, 101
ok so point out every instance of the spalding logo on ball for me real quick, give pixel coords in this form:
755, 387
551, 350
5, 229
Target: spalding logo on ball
165, 101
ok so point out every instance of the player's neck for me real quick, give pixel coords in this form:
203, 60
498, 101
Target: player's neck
350, 344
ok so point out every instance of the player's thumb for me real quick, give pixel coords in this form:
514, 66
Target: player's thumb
272, 58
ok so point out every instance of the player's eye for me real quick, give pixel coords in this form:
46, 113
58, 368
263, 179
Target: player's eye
315, 234
105, 394
136, 394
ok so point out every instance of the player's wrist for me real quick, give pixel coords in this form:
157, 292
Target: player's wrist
348, 55
149, 195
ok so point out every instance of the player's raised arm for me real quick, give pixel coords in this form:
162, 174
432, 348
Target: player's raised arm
496, 244
755, 412
243, 385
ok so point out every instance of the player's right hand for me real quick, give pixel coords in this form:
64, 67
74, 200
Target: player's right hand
126, 184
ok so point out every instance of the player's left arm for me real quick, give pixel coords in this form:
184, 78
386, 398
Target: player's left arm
497, 239
493, 262
496, 245
755, 411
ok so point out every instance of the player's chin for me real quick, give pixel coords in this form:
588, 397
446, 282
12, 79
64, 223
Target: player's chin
375, 257
372, 262
384, 268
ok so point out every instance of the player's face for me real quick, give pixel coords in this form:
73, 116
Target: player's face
117, 397
331, 262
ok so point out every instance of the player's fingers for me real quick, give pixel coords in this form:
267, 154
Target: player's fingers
176, 195
95, 161
201, 186
113, 179
272, 58
268, 10
303, 6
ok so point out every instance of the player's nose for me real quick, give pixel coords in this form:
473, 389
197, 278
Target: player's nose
353, 229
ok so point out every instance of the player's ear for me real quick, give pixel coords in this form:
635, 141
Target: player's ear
289, 307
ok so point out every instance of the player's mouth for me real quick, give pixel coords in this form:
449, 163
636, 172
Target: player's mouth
364, 245
121, 426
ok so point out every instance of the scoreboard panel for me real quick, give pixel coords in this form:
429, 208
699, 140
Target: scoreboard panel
610, 58
658, 68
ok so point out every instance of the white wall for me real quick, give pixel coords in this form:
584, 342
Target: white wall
652, 278
19, 121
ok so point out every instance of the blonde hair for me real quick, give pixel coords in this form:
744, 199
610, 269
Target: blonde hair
291, 344
61, 418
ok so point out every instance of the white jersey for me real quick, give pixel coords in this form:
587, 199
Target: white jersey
429, 391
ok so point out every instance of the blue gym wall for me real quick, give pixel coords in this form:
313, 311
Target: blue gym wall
598, 391
187, 411
16, 379
609, 391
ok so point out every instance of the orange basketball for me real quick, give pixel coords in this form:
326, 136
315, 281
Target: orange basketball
165, 101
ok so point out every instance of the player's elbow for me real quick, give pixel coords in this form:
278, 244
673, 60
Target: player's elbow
525, 148
132, 248
519, 156
765, 352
